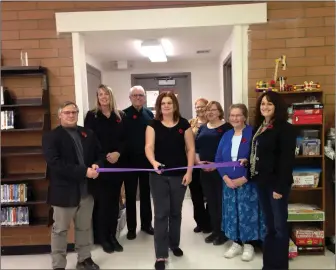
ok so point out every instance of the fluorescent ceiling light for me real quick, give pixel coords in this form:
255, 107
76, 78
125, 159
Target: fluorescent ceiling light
167, 46
154, 51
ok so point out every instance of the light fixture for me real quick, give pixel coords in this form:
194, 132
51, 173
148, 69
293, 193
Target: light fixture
154, 51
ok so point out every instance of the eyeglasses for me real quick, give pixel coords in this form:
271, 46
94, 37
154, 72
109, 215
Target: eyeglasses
212, 110
199, 107
138, 95
236, 115
67, 113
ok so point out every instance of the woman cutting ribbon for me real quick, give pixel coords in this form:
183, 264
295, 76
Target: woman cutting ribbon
169, 143
242, 221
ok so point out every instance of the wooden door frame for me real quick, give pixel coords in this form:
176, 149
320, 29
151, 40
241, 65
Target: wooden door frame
227, 85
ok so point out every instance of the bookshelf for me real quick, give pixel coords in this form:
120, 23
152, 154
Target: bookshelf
25, 115
305, 191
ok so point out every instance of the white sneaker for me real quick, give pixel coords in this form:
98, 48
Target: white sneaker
233, 251
248, 253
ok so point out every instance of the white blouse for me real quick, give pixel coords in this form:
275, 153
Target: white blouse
235, 147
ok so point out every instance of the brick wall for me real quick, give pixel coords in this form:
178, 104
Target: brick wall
304, 31
31, 26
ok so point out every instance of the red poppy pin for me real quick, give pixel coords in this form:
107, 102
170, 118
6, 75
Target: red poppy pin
270, 126
243, 140
84, 134
118, 120
180, 130
219, 130
135, 116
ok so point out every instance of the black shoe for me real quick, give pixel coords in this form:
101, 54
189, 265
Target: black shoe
117, 247
160, 265
207, 229
211, 238
197, 229
149, 230
220, 240
177, 252
59, 268
87, 264
131, 235
107, 247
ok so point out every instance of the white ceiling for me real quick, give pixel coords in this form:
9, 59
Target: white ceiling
123, 45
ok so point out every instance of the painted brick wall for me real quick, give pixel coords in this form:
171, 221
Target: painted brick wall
305, 33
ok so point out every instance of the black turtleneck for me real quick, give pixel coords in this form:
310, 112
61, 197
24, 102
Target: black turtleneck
136, 122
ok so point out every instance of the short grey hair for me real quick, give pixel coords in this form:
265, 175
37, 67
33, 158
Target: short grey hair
137, 87
65, 104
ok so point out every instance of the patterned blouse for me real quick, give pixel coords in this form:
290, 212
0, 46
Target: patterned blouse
254, 147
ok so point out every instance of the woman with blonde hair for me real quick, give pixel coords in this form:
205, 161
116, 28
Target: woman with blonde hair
207, 141
201, 213
107, 123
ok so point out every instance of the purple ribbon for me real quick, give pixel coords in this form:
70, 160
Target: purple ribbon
202, 166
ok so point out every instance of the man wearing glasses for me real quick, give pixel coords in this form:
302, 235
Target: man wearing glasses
137, 118
73, 156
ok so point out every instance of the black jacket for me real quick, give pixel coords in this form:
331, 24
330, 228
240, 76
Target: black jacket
64, 171
110, 133
275, 157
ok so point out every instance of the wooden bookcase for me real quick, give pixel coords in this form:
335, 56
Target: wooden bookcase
309, 195
22, 162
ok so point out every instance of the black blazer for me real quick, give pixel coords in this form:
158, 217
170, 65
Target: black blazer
64, 171
110, 133
275, 157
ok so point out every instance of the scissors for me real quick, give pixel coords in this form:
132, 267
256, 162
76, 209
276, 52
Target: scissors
161, 167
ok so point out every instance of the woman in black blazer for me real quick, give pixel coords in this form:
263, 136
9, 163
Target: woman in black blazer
271, 164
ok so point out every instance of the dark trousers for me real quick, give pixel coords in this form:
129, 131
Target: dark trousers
106, 209
275, 246
201, 213
168, 195
131, 186
212, 185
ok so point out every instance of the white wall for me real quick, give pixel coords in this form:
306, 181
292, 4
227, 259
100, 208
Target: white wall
204, 78
91, 60
227, 49
79, 62
93, 81
237, 44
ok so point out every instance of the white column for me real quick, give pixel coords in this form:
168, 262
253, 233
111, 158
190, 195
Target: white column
80, 76
240, 64
245, 49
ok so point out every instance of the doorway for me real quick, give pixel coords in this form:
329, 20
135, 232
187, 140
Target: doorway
77, 24
179, 83
227, 79
94, 79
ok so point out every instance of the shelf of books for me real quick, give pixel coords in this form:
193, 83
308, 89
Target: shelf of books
25, 115
307, 201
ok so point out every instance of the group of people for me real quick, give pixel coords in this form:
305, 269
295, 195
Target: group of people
242, 203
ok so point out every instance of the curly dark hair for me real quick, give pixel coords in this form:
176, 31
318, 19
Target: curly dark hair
280, 112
